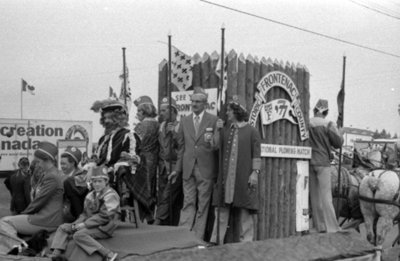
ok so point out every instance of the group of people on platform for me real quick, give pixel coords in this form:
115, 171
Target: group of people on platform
169, 167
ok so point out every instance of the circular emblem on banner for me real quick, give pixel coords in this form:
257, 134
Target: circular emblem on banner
76, 132
164, 100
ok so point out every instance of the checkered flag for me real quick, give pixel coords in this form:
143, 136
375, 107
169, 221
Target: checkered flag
181, 69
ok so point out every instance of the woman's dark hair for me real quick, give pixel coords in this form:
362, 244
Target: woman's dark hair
239, 113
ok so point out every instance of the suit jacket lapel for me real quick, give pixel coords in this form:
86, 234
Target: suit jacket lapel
190, 125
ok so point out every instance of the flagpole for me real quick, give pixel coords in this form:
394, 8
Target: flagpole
170, 120
219, 181
124, 74
21, 100
340, 125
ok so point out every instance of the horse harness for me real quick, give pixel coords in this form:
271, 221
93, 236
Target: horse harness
393, 202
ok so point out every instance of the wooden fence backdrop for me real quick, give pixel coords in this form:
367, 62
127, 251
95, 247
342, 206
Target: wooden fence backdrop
277, 183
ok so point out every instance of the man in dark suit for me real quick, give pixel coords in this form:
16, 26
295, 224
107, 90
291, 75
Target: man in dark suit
197, 163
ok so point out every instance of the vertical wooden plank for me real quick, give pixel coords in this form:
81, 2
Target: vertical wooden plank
249, 82
214, 79
205, 71
241, 79
196, 80
257, 76
162, 80
232, 74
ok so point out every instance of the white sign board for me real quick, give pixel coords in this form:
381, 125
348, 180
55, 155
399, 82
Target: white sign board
184, 104
302, 185
21, 137
284, 151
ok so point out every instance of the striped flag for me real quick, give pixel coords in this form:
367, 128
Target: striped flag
181, 69
27, 88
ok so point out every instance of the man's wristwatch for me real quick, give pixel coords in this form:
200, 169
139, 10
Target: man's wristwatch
257, 171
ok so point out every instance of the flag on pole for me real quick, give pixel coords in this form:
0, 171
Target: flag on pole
125, 94
112, 94
181, 69
221, 99
27, 88
340, 103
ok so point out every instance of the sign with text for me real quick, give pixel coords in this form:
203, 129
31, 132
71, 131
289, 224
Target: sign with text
284, 151
280, 108
184, 104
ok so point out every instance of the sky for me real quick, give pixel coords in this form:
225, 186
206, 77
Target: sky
71, 51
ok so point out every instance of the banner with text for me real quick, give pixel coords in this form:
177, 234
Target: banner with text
284, 151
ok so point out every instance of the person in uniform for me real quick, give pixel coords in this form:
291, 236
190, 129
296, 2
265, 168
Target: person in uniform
241, 166
197, 163
18, 184
170, 195
98, 220
45, 212
323, 137
75, 185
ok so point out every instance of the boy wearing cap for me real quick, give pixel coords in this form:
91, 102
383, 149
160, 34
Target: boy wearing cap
75, 186
197, 163
98, 220
19, 186
323, 136
46, 208
170, 195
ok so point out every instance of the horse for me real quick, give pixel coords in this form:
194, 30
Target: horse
379, 196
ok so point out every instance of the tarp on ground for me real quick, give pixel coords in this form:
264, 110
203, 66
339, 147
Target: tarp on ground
145, 240
322, 247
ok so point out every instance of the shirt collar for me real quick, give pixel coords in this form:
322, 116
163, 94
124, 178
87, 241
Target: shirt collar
238, 124
200, 116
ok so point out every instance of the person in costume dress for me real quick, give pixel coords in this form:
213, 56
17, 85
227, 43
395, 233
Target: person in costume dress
240, 169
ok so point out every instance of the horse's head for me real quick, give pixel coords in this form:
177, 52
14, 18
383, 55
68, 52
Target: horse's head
389, 157
375, 158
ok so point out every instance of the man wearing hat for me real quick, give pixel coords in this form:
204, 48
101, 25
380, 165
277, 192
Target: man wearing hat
241, 168
170, 196
19, 186
45, 209
118, 151
323, 137
197, 163
75, 186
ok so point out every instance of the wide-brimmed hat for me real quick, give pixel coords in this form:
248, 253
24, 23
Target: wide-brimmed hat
46, 150
108, 105
74, 152
322, 105
142, 100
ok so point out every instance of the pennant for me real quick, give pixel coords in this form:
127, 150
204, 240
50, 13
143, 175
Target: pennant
112, 94
181, 69
221, 99
27, 88
125, 95
340, 103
